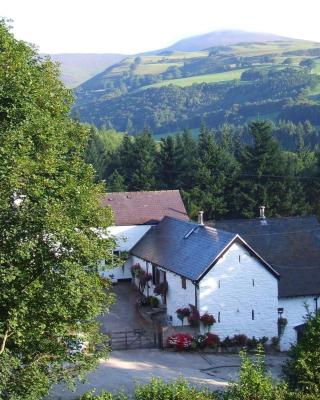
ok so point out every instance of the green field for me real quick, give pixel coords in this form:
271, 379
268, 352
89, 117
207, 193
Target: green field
156, 68
210, 78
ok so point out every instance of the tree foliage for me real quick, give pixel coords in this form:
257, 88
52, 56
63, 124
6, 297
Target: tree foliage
50, 291
228, 172
302, 370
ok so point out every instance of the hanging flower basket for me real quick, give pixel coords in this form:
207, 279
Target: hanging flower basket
136, 270
282, 323
183, 313
207, 320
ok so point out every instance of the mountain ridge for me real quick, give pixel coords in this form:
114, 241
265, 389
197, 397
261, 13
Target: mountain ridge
219, 38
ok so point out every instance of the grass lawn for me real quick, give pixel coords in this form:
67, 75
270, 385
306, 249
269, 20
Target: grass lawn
210, 78
147, 69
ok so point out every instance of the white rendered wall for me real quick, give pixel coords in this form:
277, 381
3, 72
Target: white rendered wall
294, 309
126, 237
177, 297
237, 296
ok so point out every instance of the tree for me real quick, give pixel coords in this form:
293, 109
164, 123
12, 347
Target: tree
168, 163
143, 167
266, 177
214, 167
308, 63
50, 290
302, 370
254, 382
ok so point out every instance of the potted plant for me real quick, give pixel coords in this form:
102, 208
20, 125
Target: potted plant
207, 320
282, 323
183, 313
144, 278
136, 270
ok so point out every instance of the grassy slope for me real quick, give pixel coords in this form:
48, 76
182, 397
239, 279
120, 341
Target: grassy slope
210, 78
157, 64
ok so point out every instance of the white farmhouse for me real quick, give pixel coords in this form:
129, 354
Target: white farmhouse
134, 214
214, 270
292, 247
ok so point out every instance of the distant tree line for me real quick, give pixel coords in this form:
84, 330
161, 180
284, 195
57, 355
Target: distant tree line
227, 173
270, 92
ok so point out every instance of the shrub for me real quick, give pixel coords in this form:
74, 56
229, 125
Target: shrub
104, 396
252, 343
212, 340
302, 370
240, 340
180, 341
254, 382
199, 341
154, 301
180, 389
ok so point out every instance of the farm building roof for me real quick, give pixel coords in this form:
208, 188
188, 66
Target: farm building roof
144, 208
185, 248
290, 245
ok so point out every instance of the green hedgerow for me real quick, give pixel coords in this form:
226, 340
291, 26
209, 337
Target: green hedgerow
180, 389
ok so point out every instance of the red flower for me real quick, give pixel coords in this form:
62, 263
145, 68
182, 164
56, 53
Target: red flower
180, 341
184, 312
207, 319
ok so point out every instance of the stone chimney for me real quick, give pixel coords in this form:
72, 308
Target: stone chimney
262, 209
200, 218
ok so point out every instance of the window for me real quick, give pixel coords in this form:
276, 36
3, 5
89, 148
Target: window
239, 258
155, 275
183, 283
219, 316
219, 284
252, 282
252, 315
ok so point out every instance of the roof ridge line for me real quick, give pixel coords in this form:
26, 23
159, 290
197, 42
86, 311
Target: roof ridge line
143, 191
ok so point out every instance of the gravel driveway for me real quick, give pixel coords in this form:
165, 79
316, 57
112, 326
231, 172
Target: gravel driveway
126, 367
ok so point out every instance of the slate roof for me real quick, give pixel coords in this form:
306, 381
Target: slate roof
290, 245
144, 208
185, 248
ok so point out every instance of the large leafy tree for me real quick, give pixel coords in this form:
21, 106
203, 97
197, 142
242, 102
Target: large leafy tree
50, 290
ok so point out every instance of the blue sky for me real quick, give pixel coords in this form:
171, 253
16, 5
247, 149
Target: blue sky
132, 26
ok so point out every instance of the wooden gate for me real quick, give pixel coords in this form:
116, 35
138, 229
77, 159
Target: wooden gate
134, 339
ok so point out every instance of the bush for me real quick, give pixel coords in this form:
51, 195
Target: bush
302, 370
254, 382
104, 396
180, 341
151, 301
212, 340
180, 389
240, 340
154, 301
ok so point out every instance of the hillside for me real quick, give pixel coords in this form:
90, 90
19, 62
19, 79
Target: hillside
236, 83
77, 68
221, 38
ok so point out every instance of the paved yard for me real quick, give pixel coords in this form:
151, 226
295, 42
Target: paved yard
123, 314
126, 367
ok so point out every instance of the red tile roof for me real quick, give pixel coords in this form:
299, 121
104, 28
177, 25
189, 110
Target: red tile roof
142, 208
